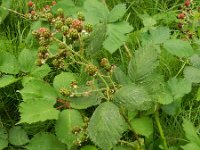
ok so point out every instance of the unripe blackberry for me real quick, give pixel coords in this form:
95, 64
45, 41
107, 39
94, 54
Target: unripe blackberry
58, 24
91, 70
42, 49
88, 27
65, 92
81, 16
62, 46
60, 11
105, 63
68, 21
73, 33
49, 16
77, 24
64, 29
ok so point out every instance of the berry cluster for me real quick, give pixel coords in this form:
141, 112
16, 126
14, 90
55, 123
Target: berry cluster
188, 20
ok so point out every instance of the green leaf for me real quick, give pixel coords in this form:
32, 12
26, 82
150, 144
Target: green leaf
8, 63
179, 87
4, 12
143, 64
147, 20
143, 126
27, 60
191, 146
88, 100
69, 4
160, 35
179, 48
172, 108
120, 77
116, 35
195, 61
37, 89
41, 71
106, 126
68, 120
7, 80
190, 132
96, 39
192, 74
3, 138
133, 97
37, 110
117, 13
18, 136
45, 141
95, 11
63, 80
88, 147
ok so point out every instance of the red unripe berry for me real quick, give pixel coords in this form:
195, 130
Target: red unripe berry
54, 3
33, 12
187, 3
47, 7
181, 16
30, 3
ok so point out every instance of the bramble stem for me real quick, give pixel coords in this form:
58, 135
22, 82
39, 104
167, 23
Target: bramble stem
157, 119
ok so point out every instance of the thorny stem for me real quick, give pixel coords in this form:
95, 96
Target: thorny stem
157, 119
13, 11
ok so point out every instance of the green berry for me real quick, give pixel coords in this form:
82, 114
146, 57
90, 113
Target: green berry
73, 33
88, 27
60, 11
65, 92
91, 70
68, 21
81, 16
64, 29
58, 24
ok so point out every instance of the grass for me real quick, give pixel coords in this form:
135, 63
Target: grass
14, 30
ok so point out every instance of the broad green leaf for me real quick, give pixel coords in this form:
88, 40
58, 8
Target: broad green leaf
172, 108
37, 110
143, 126
96, 40
7, 80
192, 74
67, 121
195, 61
163, 97
41, 71
116, 35
106, 126
160, 35
40, 90
117, 13
133, 97
8, 63
179, 87
18, 136
147, 20
143, 64
3, 11
27, 60
120, 77
95, 11
88, 147
179, 48
88, 100
190, 132
3, 138
45, 141
67, 5
63, 80
191, 146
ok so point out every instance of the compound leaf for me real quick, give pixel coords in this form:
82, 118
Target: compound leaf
3, 138
117, 13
